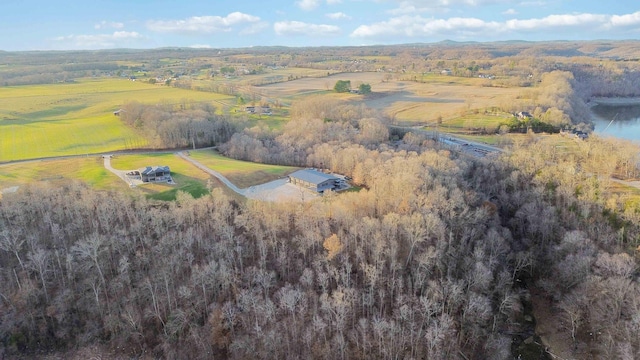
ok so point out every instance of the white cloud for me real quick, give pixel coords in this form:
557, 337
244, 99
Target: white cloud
200, 46
301, 28
308, 5
338, 16
417, 6
108, 24
628, 20
100, 41
202, 24
510, 12
416, 26
554, 21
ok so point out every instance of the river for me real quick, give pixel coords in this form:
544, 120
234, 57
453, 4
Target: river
626, 120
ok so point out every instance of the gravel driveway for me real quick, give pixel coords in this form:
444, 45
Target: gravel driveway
277, 190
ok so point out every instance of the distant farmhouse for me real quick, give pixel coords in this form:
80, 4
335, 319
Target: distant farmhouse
575, 134
315, 180
523, 115
265, 110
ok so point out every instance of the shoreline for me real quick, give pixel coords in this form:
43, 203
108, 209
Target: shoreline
614, 101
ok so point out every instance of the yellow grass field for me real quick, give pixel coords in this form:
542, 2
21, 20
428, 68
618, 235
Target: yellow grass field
77, 118
55, 172
91, 171
407, 102
241, 173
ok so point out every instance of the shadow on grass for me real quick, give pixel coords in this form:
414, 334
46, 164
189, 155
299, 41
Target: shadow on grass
187, 184
53, 112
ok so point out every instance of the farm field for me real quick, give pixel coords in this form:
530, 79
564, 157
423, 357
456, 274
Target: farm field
268, 76
77, 118
472, 125
408, 102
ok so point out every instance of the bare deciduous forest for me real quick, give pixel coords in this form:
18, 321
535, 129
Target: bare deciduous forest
438, 256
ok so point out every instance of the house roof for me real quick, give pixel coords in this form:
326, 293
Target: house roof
312, 176
154, 169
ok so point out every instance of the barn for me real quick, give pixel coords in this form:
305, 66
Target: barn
155, 174
314, 180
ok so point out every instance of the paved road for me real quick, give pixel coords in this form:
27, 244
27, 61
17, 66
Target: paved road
469, 147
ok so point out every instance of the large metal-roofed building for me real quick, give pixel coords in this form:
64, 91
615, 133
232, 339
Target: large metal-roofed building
314, 180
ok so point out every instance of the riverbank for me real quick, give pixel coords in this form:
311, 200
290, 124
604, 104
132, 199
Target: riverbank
614, 101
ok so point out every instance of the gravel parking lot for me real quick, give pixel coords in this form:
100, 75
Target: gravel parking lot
279, 190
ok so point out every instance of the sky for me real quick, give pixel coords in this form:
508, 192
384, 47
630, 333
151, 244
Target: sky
142, 24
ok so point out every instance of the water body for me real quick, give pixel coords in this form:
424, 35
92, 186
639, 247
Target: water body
626, 124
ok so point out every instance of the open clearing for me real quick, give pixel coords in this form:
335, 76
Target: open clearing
275, 190
242, 173
258, 181
406, 101
77, 118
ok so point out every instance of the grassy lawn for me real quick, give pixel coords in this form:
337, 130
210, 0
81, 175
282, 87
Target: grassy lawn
87, 169
187, 177
242, 173
497, 140
474, 122
91, 171
77, 118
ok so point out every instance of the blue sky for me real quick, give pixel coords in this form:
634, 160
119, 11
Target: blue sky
101, 24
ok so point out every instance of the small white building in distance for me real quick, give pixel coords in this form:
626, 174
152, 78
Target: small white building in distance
315, 180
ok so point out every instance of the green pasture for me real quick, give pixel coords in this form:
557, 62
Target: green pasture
242, 173
77, 118
473, 123
497, 140
86, 169
272, 122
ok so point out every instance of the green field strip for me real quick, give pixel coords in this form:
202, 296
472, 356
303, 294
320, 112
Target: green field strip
77, 118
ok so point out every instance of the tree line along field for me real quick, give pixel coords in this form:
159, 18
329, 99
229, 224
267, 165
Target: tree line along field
77, 118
